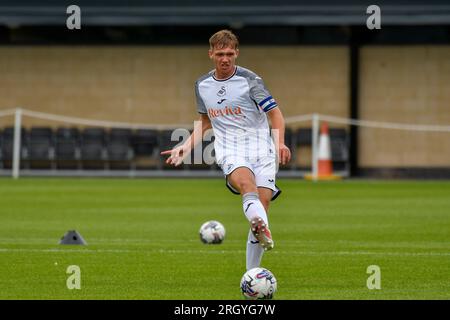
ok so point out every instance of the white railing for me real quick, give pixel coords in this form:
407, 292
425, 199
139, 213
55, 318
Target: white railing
314, 119
317, 118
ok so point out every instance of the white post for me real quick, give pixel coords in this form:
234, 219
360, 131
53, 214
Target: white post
17, 143
315, 146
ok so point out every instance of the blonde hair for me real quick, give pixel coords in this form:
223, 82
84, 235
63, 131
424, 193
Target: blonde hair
223, 39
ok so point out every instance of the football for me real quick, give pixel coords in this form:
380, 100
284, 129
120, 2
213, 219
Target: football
212, 232
258, 283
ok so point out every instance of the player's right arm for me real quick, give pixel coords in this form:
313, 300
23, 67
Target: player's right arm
178, 154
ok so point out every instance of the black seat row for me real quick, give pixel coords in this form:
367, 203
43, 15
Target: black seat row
75, 148
97, 148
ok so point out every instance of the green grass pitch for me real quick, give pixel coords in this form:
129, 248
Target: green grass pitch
143, 240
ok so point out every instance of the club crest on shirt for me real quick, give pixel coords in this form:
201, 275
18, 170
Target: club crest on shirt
222, 91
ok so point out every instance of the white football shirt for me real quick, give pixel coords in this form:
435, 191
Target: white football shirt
237, 109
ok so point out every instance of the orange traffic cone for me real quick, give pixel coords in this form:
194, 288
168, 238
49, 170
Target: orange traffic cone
325, 165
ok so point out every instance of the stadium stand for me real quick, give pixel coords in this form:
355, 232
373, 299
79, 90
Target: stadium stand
145, 147
67, 148
40, 148
340, 144
119, 150
7, 146
71, 148
329, 62
302, 151
93, 152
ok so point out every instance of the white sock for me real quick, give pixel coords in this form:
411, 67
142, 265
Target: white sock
254, 252
253, 207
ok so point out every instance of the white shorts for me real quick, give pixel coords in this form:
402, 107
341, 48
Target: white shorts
264, 170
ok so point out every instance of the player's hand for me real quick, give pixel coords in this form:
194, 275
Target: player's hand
177, 155
285, 154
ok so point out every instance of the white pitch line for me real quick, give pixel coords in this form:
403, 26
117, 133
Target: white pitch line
291, 253
93, 240
67, 250
375, 244
319, 253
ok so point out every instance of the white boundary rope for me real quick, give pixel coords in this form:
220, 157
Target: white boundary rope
7, 112
300, 118
288, 120
386, 125
370, 124
314, 118
100, 123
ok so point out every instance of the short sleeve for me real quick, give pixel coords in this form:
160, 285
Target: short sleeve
201, 108
260, 94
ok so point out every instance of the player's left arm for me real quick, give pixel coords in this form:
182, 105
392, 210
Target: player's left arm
278, 128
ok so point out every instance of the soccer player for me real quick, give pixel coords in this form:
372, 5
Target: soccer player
235, 103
